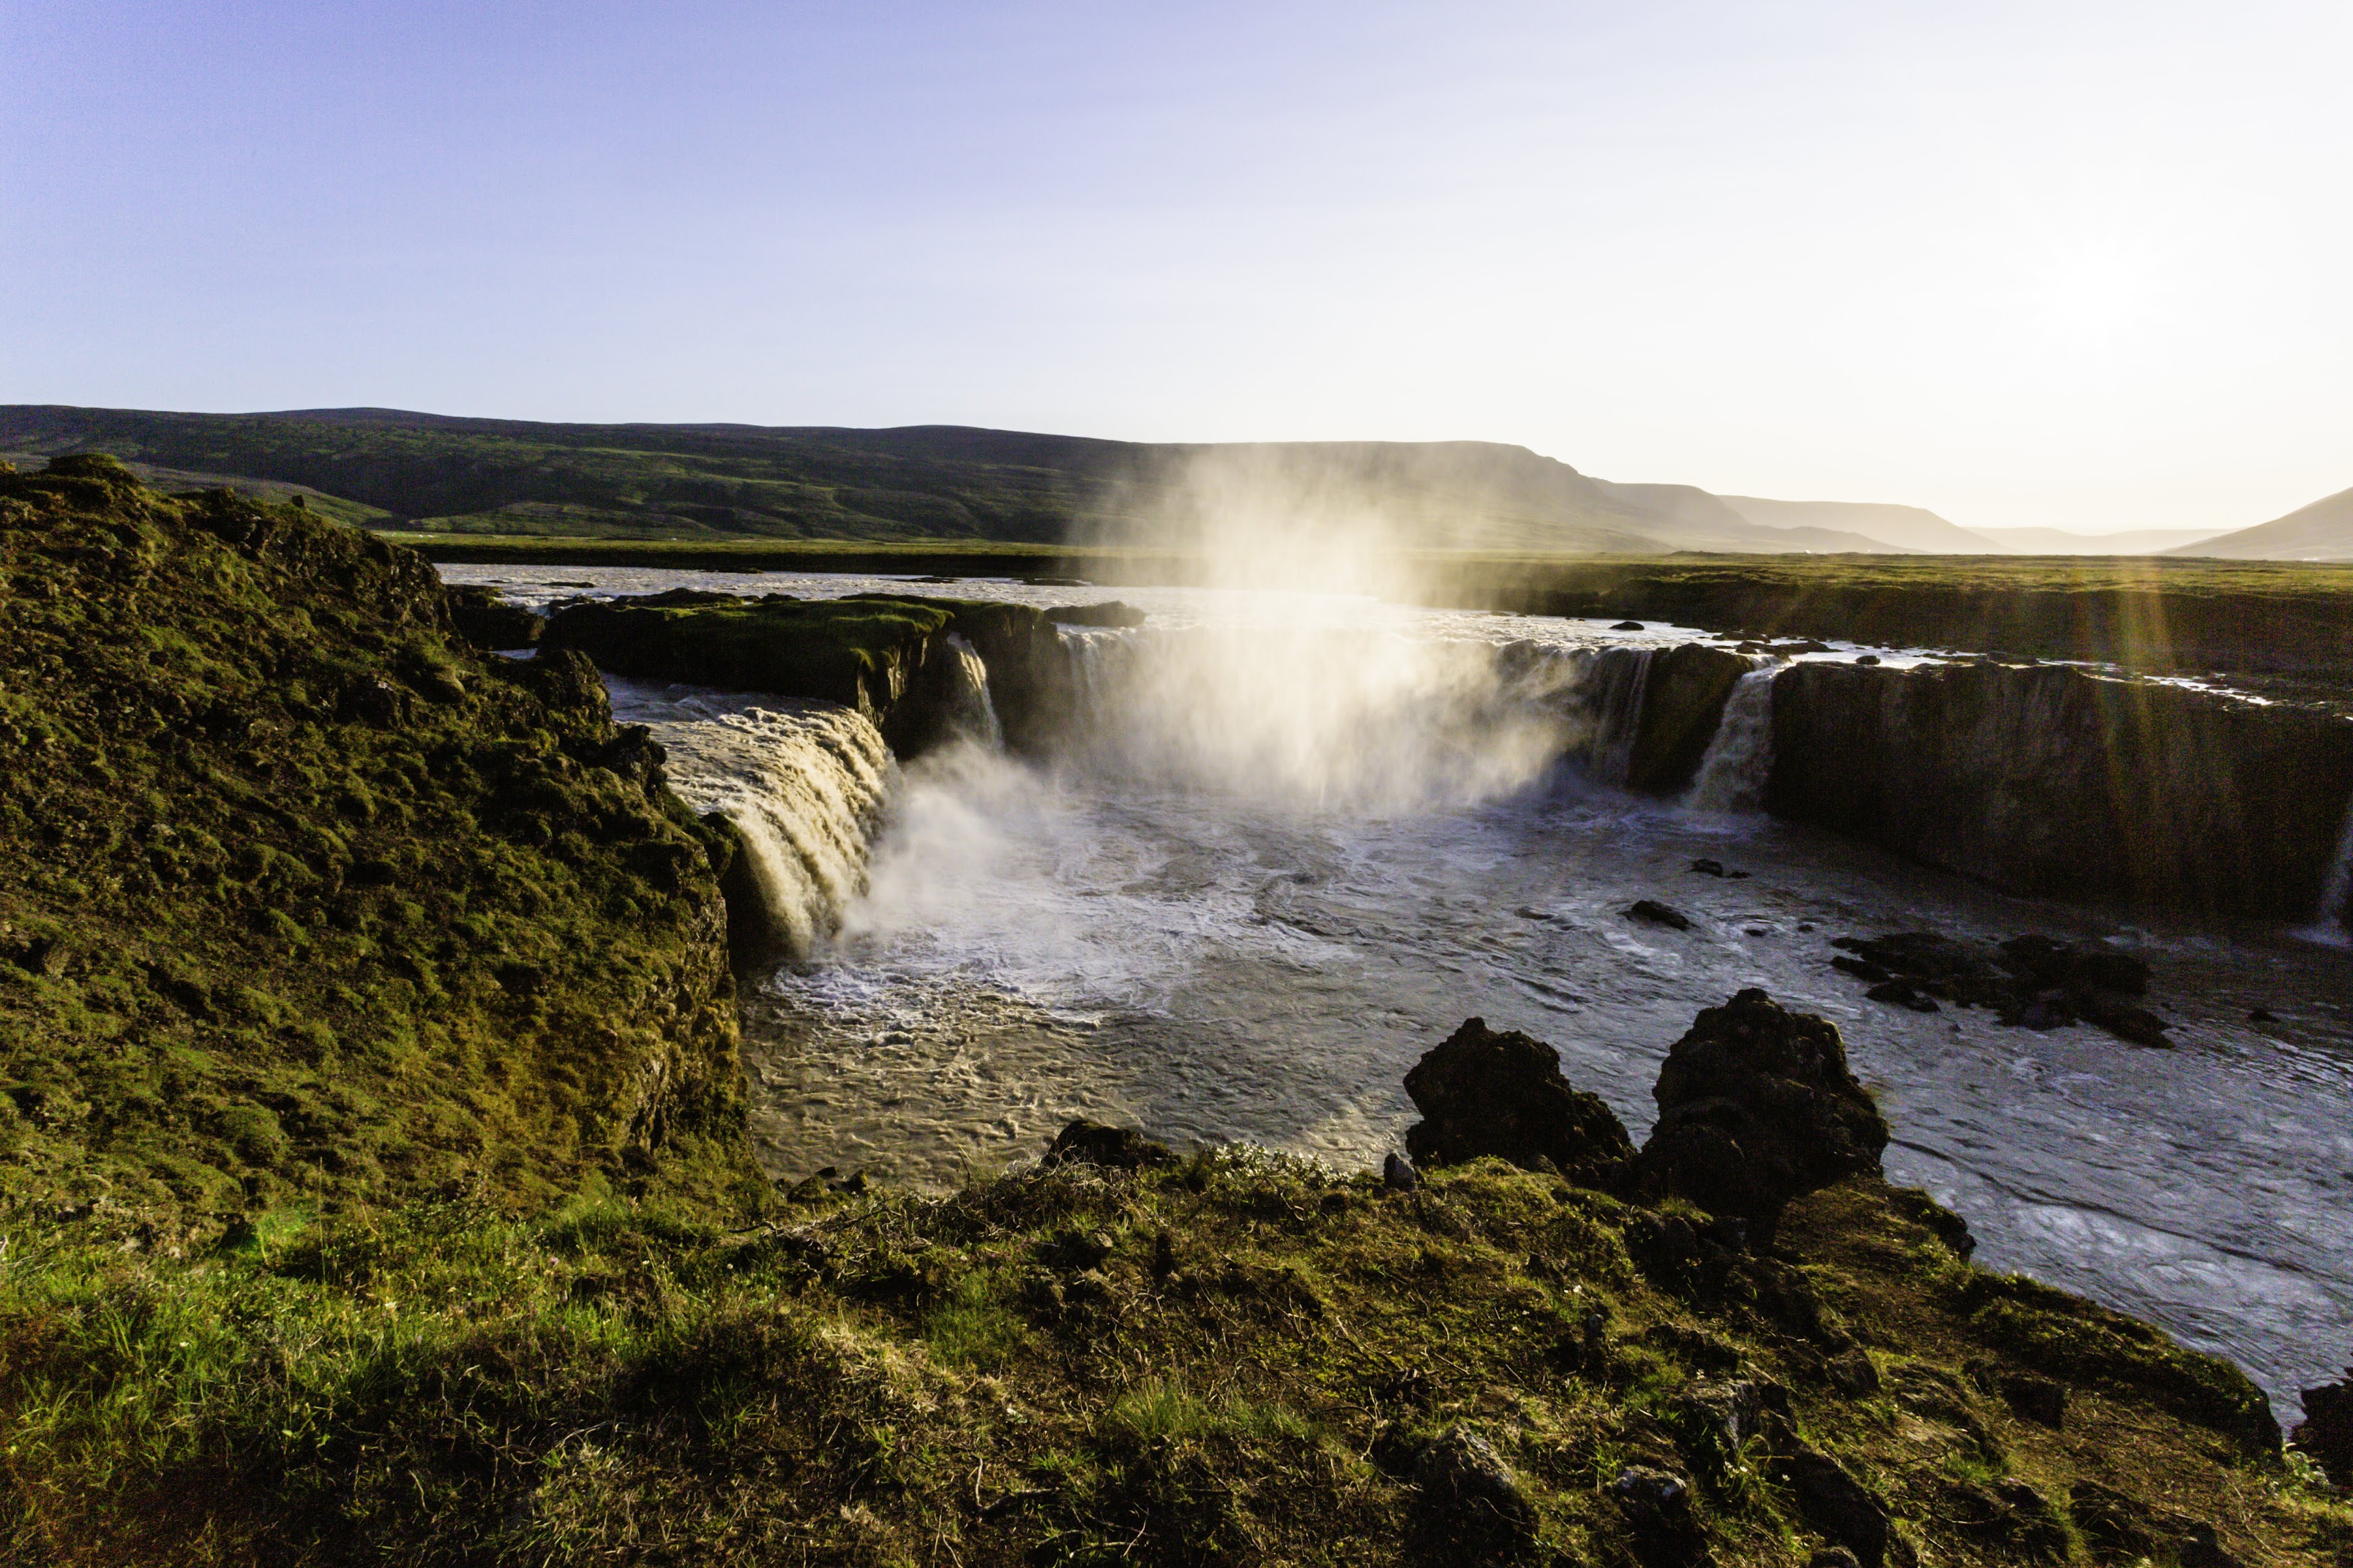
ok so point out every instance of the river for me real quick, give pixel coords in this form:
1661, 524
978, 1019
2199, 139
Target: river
1303, 841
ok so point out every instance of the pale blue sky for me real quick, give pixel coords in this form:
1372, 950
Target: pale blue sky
2076, 264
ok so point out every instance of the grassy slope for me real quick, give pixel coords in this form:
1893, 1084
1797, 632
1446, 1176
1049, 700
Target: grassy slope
302, 901
1236, 1360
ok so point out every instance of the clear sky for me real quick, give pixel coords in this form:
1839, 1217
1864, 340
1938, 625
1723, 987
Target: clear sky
2084, 265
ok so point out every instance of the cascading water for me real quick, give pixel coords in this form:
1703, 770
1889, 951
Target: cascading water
1620, 678
2336, 922
804, 783
1732, 774
971, 713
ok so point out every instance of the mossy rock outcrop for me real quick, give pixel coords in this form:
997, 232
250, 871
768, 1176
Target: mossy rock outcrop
887, 656
304, 901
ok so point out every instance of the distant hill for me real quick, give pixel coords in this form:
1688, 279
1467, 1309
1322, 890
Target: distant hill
515, 477
2059, 541
1711, 522
2321, 532
1905, 528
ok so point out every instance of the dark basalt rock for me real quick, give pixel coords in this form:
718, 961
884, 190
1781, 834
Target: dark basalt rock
1683, 703
2009, 1515
2055, 781
1112, 1148
1657, 1508
1659, 914
486, 621
2030, 982
1835, 1506
2326, 1430
1756, 1106
2120, 1529
1485, 1092
1111, 614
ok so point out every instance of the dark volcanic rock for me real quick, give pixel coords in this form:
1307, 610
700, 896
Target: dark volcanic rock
1756, 1106
2326, 1430
1836, 1507
2055, 781
2119, 1529
1485, 1092
1112, 1148
1683, 702
2031, 981
486, 621
1659, 914
1657, 1508
1112, 613
1472, 1496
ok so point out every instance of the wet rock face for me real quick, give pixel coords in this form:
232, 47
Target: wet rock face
2053, 781
486, 621
1682, 706
1485, 1092
1756, 1106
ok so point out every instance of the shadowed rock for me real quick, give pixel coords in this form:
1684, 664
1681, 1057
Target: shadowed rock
2326, 1430
1756, 1106
1085, 1143
1485, 1092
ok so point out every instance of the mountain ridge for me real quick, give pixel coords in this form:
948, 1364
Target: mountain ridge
454, 474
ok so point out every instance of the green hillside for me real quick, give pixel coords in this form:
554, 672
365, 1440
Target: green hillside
439, 475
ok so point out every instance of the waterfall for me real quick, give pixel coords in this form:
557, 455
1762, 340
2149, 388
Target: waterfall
804, 783
971, 714
1732, 774
1619, 679
2336, 892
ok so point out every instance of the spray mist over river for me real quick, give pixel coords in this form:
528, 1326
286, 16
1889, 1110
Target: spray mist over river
1294, 842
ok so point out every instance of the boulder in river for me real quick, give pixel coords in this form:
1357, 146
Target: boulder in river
2030, 981
1659, 914
1488, 1092
1757, 1106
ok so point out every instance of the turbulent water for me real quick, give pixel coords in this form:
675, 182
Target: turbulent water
1293, 846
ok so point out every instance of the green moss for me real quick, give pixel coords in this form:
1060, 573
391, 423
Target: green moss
299, 852
1239, 1361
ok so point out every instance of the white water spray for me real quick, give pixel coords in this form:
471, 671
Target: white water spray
1313, 717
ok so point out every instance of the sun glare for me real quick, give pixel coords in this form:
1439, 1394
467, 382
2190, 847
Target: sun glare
2095, 294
